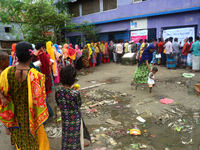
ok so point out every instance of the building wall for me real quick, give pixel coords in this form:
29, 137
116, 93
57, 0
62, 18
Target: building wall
128, 9
8, 36
173, 20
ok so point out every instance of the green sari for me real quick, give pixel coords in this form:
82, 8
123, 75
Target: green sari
141, 74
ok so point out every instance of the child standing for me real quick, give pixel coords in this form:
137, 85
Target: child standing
151, 80
69, 101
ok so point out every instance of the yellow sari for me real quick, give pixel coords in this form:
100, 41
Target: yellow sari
38, 112
90, 50
50, 51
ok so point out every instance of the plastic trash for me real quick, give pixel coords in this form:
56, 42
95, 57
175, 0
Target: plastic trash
140, 119
135, 131
113, 122
92, 110
166, 101
53, 132
188, 75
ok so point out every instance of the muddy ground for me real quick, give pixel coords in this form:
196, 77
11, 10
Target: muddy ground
169, 84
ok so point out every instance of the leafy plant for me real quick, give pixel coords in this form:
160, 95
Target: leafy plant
90, 31
38, 20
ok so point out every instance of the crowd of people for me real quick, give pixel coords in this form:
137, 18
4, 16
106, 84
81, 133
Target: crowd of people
167, 54
31, 72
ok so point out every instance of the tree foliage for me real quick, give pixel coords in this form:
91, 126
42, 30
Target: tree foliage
38, 21
90, 31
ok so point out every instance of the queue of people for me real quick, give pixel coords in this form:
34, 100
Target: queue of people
25, 87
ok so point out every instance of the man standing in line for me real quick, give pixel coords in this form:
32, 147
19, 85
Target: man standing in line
169, 52
138, 50
126, 47
133, 47
189, 56
129, 47
196, 55
176, 52
160, 51
143, 47
119, 51
114, 52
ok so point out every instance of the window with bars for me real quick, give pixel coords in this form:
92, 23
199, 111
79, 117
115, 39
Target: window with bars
74, 9
109, 4
135, 1
90, 7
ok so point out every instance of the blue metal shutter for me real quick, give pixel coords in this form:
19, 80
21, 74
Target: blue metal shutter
103, 37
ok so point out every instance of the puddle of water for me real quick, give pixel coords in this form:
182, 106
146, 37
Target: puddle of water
159, 132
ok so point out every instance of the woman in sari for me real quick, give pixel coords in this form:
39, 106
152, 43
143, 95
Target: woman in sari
12, 53
14, 57
57, 48
51, 52
72, 54
45, 66
144, 67
65, 54
85, 57
57, 56
13, 49
79, 58
90, 55
106, 54
96, 46
23, 108
102, 50
94, 61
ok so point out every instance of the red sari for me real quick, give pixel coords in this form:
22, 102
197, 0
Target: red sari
45, 69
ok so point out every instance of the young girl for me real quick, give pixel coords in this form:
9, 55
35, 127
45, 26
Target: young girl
151, 80
69, 101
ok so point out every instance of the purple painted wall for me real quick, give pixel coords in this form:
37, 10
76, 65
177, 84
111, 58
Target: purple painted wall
180, 19
141, 8
115, 26
124, 2
108, 27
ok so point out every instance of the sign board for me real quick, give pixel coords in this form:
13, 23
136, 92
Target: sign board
137, 35
138, 24
180, 33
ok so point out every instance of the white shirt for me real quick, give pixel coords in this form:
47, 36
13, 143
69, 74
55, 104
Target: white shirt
151, 81
129, 48
119, 48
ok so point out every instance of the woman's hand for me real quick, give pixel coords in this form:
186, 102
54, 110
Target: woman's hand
4, 101
7, 131
150, 70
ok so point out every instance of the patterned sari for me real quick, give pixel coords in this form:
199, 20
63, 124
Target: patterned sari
27, 109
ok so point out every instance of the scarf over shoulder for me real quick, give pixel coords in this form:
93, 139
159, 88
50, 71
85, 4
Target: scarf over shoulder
71, 52
50, 51
37, 107
147, 55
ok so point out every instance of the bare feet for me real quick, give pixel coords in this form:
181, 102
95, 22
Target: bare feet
150, 93
86, 144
